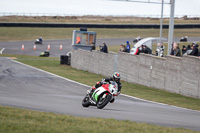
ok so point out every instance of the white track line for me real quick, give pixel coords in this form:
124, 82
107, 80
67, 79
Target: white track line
1, 52
90, 87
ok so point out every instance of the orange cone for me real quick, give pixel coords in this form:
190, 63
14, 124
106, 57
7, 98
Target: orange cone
61, 47
34, 47
22, 46
48, 47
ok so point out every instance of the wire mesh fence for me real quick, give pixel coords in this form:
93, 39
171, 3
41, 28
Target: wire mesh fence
63, 15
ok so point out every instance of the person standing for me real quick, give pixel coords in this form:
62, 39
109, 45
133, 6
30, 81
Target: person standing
93, 47
176, 50
195, 51
127, 47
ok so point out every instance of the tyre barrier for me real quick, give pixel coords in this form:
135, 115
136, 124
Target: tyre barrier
116, 26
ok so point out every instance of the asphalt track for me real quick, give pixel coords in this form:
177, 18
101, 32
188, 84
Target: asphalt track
26, 87
15, 46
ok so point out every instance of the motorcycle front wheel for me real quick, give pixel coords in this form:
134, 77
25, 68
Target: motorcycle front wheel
103, 100
86, 102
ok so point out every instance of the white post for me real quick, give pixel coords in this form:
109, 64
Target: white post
161, 22
171, 27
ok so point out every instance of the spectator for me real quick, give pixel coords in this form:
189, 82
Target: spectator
176, 50
147, 50
104, 48
195, 51
184, 50
162, 46
160, 49
127, 47
188, 50
93, 47
123, 48
188, 47
141, 49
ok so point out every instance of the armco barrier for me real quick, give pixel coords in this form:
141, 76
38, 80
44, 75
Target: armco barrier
173, 74
117, 26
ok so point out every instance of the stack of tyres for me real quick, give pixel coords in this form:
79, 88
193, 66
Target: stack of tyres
65, 59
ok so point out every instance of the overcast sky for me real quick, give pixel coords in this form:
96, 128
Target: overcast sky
98, 7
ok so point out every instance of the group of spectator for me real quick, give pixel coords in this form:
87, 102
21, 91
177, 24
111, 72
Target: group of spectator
175, 51
189, 50
125, 48
144, 49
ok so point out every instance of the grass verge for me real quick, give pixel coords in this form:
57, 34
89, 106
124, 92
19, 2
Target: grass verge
14, 120
53, 65
95, 19
14, 33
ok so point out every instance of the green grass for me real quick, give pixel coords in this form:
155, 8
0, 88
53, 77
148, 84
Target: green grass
53, 65
18, 33
14, 120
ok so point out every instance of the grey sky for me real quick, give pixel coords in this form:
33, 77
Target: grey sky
97, 7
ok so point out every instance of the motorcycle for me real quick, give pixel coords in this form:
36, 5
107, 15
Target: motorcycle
184, 39
46, 53
101, 96
39, 41
137, 39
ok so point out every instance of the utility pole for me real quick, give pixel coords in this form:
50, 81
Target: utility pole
161, 21
171, 27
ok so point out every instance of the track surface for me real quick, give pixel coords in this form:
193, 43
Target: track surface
15, 47
25, 87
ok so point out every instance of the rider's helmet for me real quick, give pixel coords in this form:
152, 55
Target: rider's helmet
116, 77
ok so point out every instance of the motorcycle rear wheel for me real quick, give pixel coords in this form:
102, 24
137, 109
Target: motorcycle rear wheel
103, 101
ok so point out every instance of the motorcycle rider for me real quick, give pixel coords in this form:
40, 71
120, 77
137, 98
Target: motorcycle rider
40, 40
115, 77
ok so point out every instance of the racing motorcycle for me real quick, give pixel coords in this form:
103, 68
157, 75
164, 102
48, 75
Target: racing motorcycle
184, 39
137, 39
46, 53
101, 96
39, 41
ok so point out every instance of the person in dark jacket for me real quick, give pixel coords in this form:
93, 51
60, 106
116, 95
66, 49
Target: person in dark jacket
147, 50
176, 50
184, 50
104, 48
195, 51
115, 77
